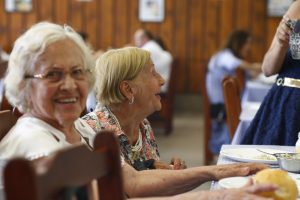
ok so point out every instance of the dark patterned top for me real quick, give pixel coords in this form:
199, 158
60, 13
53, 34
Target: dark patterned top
101, 118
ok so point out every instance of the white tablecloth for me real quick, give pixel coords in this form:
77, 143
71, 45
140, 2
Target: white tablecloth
248, 112
225, 160
255, 91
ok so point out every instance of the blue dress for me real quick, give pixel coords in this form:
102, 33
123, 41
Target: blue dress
277, 121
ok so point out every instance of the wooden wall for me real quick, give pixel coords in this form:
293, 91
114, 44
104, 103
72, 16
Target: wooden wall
193, 29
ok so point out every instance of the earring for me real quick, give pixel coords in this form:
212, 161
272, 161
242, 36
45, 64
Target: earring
131, 101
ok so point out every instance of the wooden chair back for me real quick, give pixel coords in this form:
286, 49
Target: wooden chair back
208, 156
8, 119
4, 104
3, 67
241, 78
232, 101
58, 175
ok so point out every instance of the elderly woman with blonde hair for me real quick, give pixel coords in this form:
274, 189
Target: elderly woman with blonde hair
128, 88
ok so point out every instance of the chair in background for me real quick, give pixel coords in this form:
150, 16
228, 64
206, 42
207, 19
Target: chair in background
232, 101
208, 156
59, 175
4, 104
165, 116
241, 78
3, 67
8, 119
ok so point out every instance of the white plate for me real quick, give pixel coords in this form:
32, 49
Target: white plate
251, 155
233, 182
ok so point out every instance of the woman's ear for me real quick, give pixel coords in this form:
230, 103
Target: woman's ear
126, 89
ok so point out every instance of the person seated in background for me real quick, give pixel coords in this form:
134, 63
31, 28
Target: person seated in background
225, 62
128, 89
48, 80
161, 58
277, 120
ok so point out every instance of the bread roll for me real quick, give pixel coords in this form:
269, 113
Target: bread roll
287, 188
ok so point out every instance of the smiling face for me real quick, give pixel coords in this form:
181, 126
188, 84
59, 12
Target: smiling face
147, 89
59, 103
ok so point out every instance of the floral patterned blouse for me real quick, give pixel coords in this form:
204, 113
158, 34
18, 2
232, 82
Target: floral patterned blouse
102, 118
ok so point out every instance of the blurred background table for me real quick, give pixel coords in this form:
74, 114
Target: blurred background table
255, 91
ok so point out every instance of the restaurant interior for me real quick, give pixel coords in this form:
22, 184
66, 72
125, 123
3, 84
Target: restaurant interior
193, 31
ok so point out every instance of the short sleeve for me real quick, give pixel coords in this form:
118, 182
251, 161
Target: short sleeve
229, 61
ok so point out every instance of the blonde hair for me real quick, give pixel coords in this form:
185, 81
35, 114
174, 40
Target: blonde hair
27, 48
115, 66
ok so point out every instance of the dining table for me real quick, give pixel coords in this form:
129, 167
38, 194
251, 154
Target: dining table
226, 159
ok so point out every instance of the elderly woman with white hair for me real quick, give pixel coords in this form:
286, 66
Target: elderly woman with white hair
48, 79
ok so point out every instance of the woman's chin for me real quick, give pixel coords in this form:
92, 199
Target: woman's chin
67, 116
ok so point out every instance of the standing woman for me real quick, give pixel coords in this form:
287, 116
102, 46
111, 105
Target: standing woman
128, 87
277, 120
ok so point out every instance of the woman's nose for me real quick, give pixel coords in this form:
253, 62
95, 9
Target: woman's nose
68, 82
162, 80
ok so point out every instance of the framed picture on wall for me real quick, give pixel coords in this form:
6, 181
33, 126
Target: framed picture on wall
18, 5
277, 8
151, 10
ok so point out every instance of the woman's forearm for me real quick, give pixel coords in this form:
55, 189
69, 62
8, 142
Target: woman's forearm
167, 182
273, 60
172, 182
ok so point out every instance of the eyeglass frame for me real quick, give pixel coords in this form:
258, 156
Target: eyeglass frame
43, 76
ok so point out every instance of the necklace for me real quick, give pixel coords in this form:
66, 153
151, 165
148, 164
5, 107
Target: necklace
138, 145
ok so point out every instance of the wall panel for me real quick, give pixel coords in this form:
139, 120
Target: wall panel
192, 29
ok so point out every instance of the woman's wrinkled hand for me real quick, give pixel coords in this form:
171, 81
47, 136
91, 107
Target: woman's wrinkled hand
178, 163
161, 165
249, 192
236, 169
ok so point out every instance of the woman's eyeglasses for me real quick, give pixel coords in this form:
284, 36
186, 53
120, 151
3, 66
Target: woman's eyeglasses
58, 75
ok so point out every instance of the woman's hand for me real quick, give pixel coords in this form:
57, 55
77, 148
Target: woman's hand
237, 169
161, 165
178, 163
283, 32
249, 191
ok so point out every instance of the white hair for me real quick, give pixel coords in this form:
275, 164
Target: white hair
25, 53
